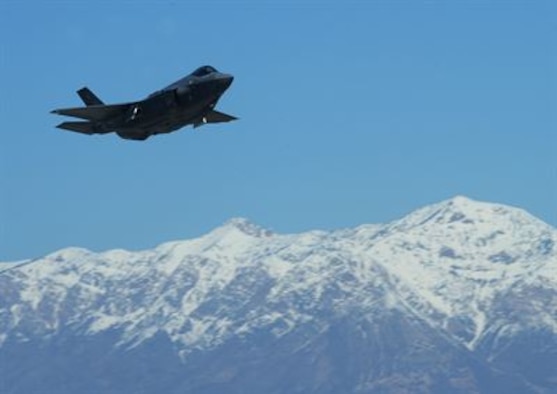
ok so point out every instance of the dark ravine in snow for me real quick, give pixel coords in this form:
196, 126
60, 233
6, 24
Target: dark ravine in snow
459, 297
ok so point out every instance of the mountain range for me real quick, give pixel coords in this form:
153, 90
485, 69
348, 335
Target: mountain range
456, 297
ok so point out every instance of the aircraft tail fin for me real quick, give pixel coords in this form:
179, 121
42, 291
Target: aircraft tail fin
88, 97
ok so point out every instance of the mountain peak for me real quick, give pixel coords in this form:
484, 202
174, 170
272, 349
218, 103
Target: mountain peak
69, 254
461, 201
247, 227
459, 209
463, 209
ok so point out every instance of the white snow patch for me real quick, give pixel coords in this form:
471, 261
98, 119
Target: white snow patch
103, 322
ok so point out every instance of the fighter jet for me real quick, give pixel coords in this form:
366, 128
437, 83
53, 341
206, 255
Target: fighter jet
189, 101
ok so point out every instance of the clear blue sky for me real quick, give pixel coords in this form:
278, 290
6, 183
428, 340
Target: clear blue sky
351, 112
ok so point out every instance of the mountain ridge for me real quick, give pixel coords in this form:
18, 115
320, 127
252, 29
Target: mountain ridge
471, 277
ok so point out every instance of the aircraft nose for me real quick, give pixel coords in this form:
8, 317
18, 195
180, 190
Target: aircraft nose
226, 80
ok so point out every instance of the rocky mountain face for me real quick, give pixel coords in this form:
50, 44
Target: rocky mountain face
457, 297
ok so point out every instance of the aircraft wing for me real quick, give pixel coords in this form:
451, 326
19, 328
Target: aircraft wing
215, 117
94, 112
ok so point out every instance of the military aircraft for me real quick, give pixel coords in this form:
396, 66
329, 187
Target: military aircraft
189, 101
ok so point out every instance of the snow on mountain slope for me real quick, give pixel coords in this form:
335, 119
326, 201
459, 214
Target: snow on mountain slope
456, 264
452, 259
12, 264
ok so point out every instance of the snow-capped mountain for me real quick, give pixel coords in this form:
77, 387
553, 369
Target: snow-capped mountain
459, 296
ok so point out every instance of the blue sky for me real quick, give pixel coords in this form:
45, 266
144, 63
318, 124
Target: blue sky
351, 112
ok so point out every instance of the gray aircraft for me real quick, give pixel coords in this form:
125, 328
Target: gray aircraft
189, 101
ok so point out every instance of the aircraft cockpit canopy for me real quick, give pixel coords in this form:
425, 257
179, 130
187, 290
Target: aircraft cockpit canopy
204, 70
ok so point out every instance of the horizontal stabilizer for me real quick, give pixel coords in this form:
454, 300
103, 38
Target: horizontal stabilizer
218, 117
81, 127
89, 97
94, 112
215, 117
